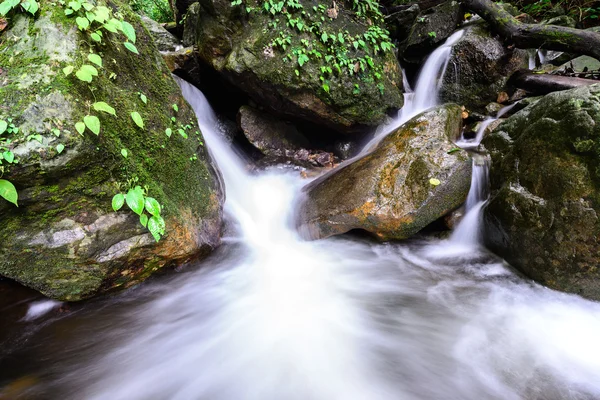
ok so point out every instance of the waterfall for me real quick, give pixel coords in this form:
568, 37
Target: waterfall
469, 230
425, 94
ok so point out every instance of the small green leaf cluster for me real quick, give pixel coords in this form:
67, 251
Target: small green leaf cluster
30, 6
146, 207
97, 20
7, 157
158, 10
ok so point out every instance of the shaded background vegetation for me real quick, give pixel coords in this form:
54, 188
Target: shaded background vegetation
158, 10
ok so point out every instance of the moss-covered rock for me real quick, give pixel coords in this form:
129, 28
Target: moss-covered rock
392, 192
479, 68
64, 239
430, 29
242, 47
545, 179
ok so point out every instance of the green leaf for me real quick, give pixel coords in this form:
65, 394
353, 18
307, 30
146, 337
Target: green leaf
80, 126
82, 23
175, 107
95, 37
168, 132
102, 106
434, 181
30, 6
113, 25
128, 30
75, 5
88, 6
5, 7
135, 200
143, 98
8, 156
3, 126
156, 226
131, 47
124, 153
137, 118
152, 206
117, 201
8, 192
84, 76
453, 150
68, 12
59, 148
90, 68
144, 220
86, 73
102, 14
93, 123
68, 70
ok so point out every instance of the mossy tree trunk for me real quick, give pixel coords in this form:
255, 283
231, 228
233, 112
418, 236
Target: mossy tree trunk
523, 35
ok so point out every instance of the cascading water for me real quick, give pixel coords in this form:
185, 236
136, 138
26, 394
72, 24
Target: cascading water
469, 230
272, 317
426, 92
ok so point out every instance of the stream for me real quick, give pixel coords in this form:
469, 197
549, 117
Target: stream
270, 316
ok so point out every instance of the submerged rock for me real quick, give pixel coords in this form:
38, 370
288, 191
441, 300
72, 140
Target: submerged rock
64, 239
479, 68
282, 69
412, 178
545, 181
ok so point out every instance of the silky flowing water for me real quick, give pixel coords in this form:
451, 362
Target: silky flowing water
270, 316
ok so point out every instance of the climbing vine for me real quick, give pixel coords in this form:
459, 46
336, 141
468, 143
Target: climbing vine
334, 51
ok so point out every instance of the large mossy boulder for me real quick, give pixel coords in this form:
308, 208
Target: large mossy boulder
479, 68
412, 178
292, 67
64, 239
545, 181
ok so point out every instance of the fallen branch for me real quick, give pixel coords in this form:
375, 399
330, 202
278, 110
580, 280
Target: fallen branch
550, 37
539, 84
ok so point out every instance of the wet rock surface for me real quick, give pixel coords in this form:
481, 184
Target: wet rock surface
64, 239
479, 68
240, 47
543, 212
408, 181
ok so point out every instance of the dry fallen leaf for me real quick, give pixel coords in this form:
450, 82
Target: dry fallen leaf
3, 24
502, 97
333, 11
